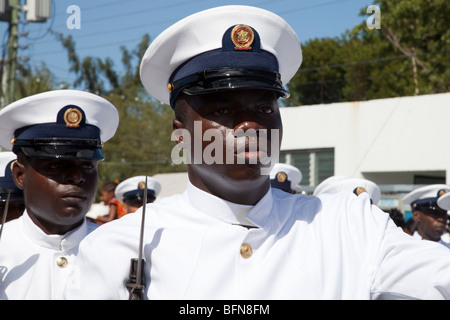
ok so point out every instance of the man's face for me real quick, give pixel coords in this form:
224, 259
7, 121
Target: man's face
431, 223
57, 192
225, 117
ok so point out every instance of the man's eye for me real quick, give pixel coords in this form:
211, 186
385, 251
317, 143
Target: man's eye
267, 109
55, 165
87, 165
220, 111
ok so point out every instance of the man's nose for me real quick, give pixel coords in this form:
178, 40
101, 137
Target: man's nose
245, 125
73, 175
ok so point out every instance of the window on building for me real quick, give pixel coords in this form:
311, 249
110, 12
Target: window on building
316, 165
425, 179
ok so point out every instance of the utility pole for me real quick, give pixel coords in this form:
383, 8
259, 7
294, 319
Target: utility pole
9, 77
10, 11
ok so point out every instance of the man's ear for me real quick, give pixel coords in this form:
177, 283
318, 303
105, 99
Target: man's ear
18, 174
416, 215
177, 131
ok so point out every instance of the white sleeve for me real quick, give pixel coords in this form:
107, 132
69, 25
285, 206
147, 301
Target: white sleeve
102, 266
409, 268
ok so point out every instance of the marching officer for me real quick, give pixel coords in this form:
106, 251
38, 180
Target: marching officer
429, 212
11, 197
286, 177
230, 235
131, 192
57, 137
358, 186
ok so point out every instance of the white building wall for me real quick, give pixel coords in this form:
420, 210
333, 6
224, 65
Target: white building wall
388, 140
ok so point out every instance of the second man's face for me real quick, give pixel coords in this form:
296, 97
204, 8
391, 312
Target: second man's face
59, 192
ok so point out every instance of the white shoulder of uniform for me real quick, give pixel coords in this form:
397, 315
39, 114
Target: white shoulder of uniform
106, 252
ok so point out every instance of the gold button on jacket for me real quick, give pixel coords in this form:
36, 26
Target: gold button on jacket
246, 250
62, 262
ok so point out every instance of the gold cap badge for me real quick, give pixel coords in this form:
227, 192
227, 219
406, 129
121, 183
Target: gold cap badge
141, 185
441, 193
242, 37
281, 177
73, 117
360, 190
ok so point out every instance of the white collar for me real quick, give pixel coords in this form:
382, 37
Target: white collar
230, 212
418, 236
53, 241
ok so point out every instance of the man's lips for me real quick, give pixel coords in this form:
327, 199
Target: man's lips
252, 150
74, 197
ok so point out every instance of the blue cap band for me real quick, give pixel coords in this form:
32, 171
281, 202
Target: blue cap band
234, 66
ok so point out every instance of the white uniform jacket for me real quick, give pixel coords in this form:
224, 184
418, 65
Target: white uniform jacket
34, 265
303, 247
418, 236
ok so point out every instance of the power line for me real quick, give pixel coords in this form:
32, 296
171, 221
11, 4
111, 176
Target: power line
310, 7
172, 20
122, 14
368, 61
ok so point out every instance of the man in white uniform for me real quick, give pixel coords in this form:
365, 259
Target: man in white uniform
131, 192
429, 213
11, 197
336, 184
286, 177
57, 137
230, 235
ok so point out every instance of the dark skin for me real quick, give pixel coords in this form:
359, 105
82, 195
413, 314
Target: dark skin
431, 224
230, 110
58, 193
15, 210
132, 206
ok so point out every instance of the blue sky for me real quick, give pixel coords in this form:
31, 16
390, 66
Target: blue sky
108, 24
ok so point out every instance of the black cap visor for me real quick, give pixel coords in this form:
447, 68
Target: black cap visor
226, 79
54, 148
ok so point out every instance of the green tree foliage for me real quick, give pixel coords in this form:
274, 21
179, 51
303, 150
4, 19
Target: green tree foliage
33, 80
318, 80
409, 55
419, 29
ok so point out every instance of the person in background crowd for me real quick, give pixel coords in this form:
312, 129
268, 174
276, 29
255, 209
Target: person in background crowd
431, 218
444, 203
57, 137
115, 206
410, 226
131, 192
446, 236
11, 197
397, 216
286, 177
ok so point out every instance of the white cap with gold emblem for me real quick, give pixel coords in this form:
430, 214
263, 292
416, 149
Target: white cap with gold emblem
286, 177
224, 48
68, 124
133, 189
427, 197
336, 184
